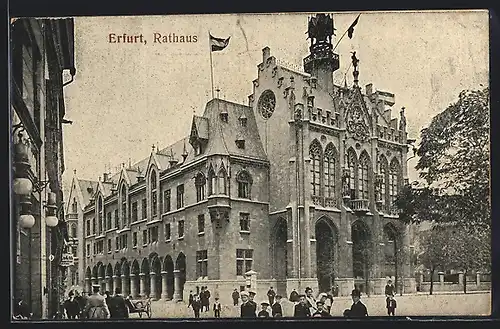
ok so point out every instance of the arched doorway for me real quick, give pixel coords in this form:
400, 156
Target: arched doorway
134, 279
145, 278
326, 253
117, 273
280, 255
180, 265
168, 266
125, 269
101, 274
109, 278
88, 282
361, 254
391, 255
156, 269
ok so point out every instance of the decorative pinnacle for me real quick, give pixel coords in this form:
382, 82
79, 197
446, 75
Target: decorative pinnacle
218, 91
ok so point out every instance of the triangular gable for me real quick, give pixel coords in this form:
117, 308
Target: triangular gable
193, 136
124, 176
357, 117
153, 160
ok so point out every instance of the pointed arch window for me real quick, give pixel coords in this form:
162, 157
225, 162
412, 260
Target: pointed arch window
200, 182
329, 167
363, 177
315, 153
351, 164
394, 182
73, 230
212, 181
244, 184
74, 206
123, 198
222, 184
384, 171
154, 194
100, 219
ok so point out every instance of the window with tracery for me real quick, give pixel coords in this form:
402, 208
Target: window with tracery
101, 217
383, 184
244, 183
124, 205
363, 177
315, 153
154, 194
329, 171
351, 164
200, 182
212, 181
221, 177
394, 181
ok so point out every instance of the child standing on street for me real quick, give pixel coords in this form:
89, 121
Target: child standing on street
196, 305
391, 306
217, 308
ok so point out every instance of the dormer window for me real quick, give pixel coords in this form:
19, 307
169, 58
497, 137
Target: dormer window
240, 143
198, 149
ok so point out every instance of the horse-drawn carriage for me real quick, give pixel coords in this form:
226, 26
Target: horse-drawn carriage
139, 306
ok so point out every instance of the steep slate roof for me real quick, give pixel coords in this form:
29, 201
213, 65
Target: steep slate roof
84, 187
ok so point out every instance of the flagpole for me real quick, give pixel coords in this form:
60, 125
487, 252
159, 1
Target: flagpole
343, 35
211, 64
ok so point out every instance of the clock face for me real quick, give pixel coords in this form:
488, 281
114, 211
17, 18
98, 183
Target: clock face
266, 104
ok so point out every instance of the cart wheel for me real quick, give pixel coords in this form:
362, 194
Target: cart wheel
148, 311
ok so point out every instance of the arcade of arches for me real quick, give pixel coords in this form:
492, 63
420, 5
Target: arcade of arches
368, 262
154, 276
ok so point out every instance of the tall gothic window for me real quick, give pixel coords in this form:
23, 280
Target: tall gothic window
394, 181
100, 220
221, 177
154, 194
315, 152
200, 182
244, 184
363, 176
124, 205
383, 186
329, 171
351, 164
74, 206
212, 181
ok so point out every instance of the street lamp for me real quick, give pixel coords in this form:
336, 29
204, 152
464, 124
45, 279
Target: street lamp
26, 219
22, 184
51, 219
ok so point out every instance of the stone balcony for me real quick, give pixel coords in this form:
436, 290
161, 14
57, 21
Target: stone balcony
72, 216
360, 205
325, 202
219, 201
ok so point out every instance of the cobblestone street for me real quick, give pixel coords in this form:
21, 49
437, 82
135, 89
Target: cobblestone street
408, 305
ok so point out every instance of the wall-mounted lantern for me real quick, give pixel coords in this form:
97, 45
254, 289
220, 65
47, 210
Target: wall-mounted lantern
22, 183
51, 215
26, 219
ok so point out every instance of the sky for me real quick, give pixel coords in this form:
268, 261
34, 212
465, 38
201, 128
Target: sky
127, 97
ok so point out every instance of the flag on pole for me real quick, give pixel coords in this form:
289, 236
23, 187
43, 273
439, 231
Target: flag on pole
218, 44
350, 31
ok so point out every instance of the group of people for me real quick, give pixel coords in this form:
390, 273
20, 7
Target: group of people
201, 302
96, 306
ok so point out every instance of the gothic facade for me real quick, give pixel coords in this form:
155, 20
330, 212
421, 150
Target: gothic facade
297, 186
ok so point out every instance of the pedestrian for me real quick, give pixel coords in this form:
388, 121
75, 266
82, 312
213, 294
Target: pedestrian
117, 304
71, 307
236, 296
96, 307
276, 309
247, 308
207, 299
191, 297
391, 306
217, 308
301, 310
82, 301
328, 301
335, 291
321, 312
294, 296
358, 309
263, 313
389, 291
311, 301
196, 305
270, 295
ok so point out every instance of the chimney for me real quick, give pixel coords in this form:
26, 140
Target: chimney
266, 53
369, 89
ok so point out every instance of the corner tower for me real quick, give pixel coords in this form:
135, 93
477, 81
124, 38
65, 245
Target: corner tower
322, 61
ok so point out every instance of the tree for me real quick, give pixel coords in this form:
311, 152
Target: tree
435, 248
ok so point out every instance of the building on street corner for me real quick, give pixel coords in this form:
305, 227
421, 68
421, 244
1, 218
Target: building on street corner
296, 187
42, 57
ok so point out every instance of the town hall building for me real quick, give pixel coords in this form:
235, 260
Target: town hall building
296, 188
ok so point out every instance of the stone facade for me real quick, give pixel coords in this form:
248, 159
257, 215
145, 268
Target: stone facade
297, 186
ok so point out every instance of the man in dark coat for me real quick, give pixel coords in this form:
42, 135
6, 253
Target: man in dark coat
294, 296
196, 305
71, 307
301, 309
276, 309
321, 312
236, 296
118, 308
270, 295
263, 313
251, 297
191, 298
207, 299
248, 308
358, 309
389, 291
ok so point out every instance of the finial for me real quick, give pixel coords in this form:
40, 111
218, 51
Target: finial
355, 73
74, 172
218, 91
153, 148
